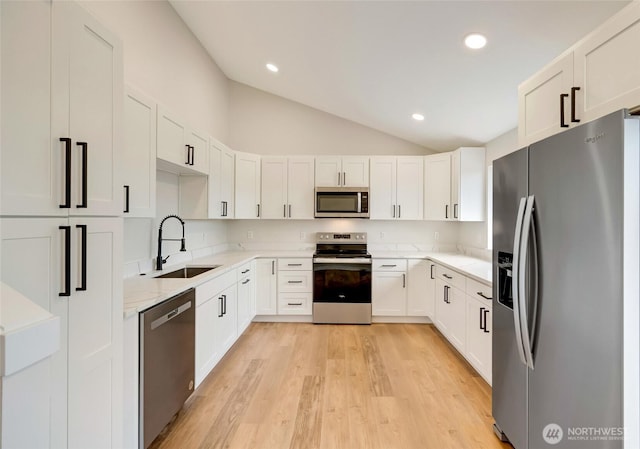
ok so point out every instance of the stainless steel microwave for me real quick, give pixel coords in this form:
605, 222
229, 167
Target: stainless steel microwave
342, 202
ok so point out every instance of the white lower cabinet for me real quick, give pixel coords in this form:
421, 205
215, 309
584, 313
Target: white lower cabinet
389, 287
246, 295
216, 321
73, 268
421, 288
478, 347
450, 313
295, 286
266, 287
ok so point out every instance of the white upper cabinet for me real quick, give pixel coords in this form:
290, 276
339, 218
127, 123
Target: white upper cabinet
396, 187
454, 186
180, 148
221, 181
139, 159
345, 171
287, 187
437, 187
247, 199
61, 81
598, 75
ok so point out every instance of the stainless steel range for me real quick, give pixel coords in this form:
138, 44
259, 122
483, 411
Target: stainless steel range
341, 279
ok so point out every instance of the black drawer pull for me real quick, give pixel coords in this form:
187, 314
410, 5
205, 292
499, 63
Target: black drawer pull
447, 276
294, 303
485, 297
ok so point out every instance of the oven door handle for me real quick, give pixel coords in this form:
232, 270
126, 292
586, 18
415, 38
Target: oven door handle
351, 260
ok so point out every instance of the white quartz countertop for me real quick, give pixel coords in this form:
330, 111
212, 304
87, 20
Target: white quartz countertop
475, 268
144, 291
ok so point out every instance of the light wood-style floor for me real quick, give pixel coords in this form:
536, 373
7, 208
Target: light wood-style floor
305, 386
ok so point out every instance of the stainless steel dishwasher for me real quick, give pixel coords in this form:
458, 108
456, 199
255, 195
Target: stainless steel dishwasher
167, 365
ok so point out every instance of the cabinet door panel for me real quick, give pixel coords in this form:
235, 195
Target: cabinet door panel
478, 340
327, 171
171, 138
382, 192
206, 350
266, 291
410, 188
606, 69
437, 187
355, 171
274, 187
200, 152
95, 337
139, 163
228, 185
418, 295
300, 191
32, 158
247, 182
539, 101
95, 105
389, 295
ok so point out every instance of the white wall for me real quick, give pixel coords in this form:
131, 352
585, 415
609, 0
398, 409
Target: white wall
164, 59
474, 235
286, 234
263, 123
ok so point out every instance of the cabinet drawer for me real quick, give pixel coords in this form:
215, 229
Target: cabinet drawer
294, 264
451, 277
211, 288
295, 281
295, 303
479, 290
245, 270
389, 265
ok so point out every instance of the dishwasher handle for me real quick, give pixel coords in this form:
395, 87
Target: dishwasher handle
169, 316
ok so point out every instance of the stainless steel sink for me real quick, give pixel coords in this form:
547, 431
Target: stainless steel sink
188, 272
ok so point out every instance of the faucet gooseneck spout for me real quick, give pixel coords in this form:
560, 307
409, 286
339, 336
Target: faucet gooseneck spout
159, 259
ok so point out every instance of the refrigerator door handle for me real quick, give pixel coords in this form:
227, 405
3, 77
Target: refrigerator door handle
516, 279
527, 227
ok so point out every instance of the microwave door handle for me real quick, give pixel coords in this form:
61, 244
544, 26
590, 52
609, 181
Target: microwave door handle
359, 206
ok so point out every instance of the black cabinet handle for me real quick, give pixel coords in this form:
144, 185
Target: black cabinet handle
126, 199
85, 173
447, 276
562, 123
221, 309
294, 303
294, 282
193, 155
431, 271
224, 304
573, 104
83, 258
482, 294
446, 294
246, 282
399, 211
486, 312
481, 316
224, 209
245, 271
404, 280
273, 267
258, 211
446, 211
294, 264
344, 178
289, 210
188, 154
455, 210
284, 210
67, 261
67, 174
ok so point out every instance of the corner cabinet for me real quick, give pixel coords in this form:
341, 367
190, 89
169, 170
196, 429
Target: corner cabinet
139, 159
454, 187
421, 288
221, 181
287, 188
598, 75
396, 189
180, 148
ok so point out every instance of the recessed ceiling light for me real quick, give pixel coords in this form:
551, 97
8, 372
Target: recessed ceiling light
475, 41
418, 117
272, 67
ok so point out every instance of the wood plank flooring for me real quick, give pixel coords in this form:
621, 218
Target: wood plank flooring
305, 386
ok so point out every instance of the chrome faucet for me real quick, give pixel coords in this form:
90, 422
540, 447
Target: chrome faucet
160, 260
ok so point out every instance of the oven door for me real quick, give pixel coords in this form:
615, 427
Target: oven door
342, 280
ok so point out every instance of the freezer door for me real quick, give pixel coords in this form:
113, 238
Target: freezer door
509, 373
576, 178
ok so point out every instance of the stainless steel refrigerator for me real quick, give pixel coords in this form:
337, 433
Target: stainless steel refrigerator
565, 289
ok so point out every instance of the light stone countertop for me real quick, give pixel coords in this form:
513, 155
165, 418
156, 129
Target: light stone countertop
144, 291
475, 268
